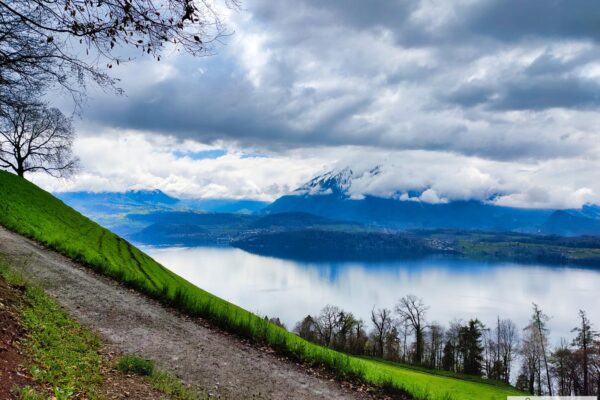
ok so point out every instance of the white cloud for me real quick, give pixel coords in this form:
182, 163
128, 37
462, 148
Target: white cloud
118, 161
441, 177
469, 99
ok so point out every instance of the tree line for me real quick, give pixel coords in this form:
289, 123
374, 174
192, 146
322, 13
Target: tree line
405, 335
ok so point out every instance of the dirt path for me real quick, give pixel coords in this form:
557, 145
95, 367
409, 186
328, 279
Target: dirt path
223, 365
15, 360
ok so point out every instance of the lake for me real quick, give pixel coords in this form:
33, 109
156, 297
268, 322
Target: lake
453, 288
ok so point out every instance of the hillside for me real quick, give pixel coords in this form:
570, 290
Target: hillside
400, 214
34, 213
178, 228
111, 209
571, 224
320, 245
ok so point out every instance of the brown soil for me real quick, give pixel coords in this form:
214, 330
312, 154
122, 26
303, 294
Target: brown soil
13, 373
14, 360
206, 358
119, 386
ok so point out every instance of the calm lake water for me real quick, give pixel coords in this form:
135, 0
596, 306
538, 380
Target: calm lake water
452, 288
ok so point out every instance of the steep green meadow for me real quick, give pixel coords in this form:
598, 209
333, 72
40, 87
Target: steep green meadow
32, 212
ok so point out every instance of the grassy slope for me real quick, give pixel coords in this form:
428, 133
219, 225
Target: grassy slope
30, 211
66, 355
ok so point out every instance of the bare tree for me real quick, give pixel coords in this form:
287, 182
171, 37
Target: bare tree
66, 41
508, 339
490, 354
327, 324
382, 321
561, 360
539, 320
27, 60
392, 344
412, 309
405, 332
452, 361
34, 137
436, 344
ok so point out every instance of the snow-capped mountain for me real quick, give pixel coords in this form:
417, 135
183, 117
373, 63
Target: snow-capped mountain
338, 182
383, 196
385, 181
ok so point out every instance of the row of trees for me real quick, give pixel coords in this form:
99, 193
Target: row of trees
572, 368
405, 335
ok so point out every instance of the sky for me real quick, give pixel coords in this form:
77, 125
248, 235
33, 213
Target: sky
481, 99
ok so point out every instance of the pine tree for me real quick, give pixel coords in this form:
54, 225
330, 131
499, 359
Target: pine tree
471, 348
584, 341
448, 361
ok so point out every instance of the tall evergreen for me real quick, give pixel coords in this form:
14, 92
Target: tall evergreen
448, 360
471, 348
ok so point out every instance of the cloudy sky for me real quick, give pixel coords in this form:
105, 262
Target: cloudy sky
463, 98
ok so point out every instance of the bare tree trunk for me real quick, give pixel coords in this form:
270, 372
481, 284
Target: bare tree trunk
539, 326
531, 381
20, 165
585, 360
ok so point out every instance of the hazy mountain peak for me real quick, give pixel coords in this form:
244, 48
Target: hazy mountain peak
339, 181
151, 196
399, 180
336, 181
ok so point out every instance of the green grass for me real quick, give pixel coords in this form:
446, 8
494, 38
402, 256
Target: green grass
160, 380
65, 353
449, 374
32, 212
135, 365
173, 387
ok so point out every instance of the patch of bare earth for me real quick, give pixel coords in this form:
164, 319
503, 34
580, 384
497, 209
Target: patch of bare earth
125, 386
13, 371
15, 362
212, 361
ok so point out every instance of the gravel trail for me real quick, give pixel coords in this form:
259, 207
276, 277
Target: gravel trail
221, 364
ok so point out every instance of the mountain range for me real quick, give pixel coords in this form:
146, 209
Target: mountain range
333, 196
112, 209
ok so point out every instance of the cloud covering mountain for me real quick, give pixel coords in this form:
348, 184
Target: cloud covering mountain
469, 98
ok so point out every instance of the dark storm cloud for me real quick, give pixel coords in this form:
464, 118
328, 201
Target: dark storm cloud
549, 93
212, 108
547, 82
514, 19
531, 94
367, 14
403, 74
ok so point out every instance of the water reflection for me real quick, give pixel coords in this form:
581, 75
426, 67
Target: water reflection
452, 288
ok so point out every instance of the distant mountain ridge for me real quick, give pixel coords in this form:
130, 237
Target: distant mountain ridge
194, 229
333, 195
342, 196
111, 209
156, 198
117, 200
